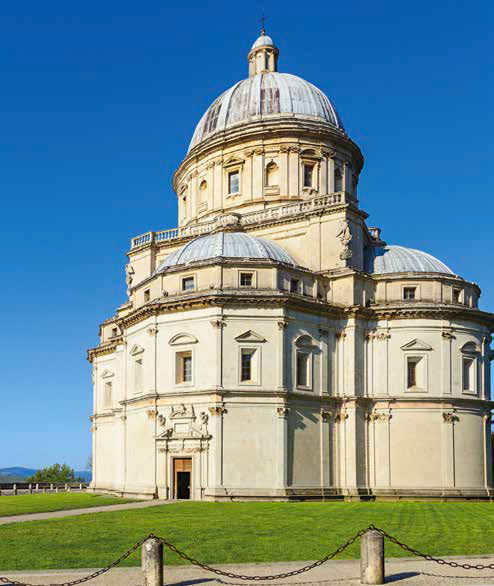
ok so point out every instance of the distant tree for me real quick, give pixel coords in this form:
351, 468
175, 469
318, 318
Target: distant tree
55, 473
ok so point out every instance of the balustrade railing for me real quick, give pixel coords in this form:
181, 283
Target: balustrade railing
247, 219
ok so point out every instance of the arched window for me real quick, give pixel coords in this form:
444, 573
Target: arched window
272, 179
338, 180
304, 350
203, 191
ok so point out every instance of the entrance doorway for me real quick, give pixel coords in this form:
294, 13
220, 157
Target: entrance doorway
182, 473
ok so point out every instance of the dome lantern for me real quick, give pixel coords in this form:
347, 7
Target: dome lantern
263, 56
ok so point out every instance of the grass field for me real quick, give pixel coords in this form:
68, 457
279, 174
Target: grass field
42, 503
245, 532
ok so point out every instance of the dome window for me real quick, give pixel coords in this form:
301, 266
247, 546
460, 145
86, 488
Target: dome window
233, 182
308, 175
409, 293
272, 175
338, 180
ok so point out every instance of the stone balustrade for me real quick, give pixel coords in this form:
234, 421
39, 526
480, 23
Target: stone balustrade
232, 220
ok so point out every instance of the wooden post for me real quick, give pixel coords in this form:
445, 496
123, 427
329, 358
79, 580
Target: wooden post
37, 486
152, 562
30, 488
372, 558
67, 488
15, 489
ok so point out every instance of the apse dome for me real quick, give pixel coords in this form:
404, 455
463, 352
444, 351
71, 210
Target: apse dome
226, 245
398, 259
266, 93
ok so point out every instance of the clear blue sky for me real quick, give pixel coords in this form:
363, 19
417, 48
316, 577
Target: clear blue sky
98, 101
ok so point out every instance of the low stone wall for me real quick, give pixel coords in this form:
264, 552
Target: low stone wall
12, 488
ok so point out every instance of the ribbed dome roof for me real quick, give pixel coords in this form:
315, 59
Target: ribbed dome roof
398, 259
263, 95
226, 245
263, 41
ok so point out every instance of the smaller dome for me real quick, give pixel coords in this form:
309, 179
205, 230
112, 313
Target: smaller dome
226, 245
398, 259
262, 41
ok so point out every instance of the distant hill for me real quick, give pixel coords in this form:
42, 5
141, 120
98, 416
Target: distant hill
19, 474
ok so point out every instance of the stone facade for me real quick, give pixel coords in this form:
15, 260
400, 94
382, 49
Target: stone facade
245, 377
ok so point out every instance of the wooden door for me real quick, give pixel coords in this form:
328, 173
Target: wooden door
182, 475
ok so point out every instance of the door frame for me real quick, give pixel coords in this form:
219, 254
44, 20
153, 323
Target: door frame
174, 483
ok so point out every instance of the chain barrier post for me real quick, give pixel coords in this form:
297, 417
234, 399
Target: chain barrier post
152, 562
372, 558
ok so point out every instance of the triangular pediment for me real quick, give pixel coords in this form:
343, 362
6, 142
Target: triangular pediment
416, 345
180, 339
136, 349
107, 373
250, 336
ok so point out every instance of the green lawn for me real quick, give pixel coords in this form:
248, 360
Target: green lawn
23, 504
245, 532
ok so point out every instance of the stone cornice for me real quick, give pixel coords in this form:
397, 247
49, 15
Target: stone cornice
239, 298
297, 128
105, 348
419, 310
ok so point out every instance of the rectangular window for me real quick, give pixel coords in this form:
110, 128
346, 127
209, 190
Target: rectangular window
308, 175
302, 374
107, 398
147, 295
468, 374
456, 295
114, 332
233, 182
409, 293
249, 366
295, 286
411, 374
138, 376
246, 366
188, 284
246, 279
183, 367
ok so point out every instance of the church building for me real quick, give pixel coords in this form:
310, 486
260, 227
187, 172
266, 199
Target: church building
273, 346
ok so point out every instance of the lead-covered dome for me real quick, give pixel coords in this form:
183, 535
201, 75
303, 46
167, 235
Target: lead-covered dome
266, 93
226, 245
398, 259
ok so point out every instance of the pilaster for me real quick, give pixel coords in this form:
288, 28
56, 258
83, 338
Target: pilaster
446, 366
282, 446
216, 450
281, 355
448, 421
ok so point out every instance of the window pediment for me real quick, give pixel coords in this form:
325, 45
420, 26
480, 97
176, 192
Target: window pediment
107, 373
136, 349
416, 345
233, 162
250, 336
470, 347
304, 341
182, 339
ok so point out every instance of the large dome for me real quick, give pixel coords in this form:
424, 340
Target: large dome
398, 259
226, 245
261, 96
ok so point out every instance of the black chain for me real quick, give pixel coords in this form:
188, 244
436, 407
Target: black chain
307, 568
219, 572
86, 578
431, 558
